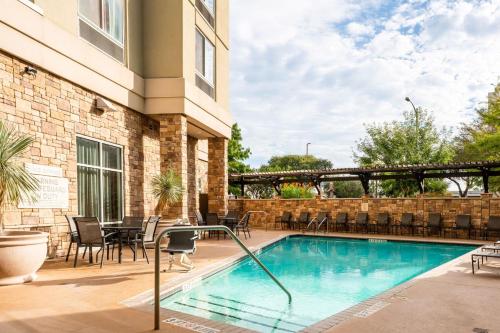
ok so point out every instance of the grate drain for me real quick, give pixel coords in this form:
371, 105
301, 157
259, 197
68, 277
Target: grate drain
480, 330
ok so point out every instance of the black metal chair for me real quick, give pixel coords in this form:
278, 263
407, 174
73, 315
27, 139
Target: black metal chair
406, 224
183, 243
361, 223
341, 221
462, 223
91, 234
243, 226
212, 219
433, 224
73, 234
493, 226
383, 222
283, 220
302, 221
146, 236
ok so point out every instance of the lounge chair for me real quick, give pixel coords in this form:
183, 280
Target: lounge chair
433, 224
382, 222
493, 226
146, 236
406, 224
318, 221
462, 222
302, 221
361, 223
243, 226
91, 234
341, 221
183, 243
201, 222
283, 220
478, 257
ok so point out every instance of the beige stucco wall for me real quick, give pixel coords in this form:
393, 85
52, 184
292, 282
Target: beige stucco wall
160, 44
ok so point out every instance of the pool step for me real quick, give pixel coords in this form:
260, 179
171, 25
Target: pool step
263, 318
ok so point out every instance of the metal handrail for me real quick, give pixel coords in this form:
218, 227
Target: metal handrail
201, 228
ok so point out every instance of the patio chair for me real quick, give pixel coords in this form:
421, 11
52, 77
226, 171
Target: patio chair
493, 226
382, 222
462, 223
243, 226
201, 222
406, 224
302, 221
91, 234
212, 219
341, 221
131, 221
73, 234
146, 236
183, 243
433, 224
320, 220
283, 220
361, 223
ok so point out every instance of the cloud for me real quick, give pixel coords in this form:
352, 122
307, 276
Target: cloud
305, 71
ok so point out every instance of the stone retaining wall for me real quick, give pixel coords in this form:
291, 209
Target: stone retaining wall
268, 210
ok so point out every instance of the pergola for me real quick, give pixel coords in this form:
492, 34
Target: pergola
417, 172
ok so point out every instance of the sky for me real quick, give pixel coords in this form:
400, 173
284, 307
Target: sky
318, 71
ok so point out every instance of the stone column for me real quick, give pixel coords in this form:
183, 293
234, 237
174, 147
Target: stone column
217, 175
192, 189
485, 208
174, 156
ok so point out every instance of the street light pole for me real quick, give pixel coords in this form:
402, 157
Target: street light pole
416, 127
307, 148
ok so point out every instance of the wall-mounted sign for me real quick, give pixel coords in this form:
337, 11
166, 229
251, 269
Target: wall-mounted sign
53, 191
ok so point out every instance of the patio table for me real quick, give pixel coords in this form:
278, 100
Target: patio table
119, 228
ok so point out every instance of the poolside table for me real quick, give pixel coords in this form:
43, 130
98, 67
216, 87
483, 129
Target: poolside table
120, 229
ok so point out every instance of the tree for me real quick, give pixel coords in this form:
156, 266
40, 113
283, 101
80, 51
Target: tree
343, 189
296, 162
480, 140
236, 156
412, 140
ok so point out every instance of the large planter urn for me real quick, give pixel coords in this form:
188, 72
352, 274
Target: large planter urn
22, 253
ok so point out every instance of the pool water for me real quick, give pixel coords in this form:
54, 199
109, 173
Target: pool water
324, 275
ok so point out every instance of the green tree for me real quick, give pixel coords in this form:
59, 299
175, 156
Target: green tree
236, 156
413, 140
480, 140
295, 162
294, 191
343, 189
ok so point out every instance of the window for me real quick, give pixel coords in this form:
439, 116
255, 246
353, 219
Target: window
101, 23
207, 10
99, 178
205, 64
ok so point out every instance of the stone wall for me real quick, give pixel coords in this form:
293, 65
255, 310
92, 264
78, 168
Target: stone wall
268, 210
55, 111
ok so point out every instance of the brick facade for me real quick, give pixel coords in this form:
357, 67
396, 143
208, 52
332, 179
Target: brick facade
55, 111
479, 208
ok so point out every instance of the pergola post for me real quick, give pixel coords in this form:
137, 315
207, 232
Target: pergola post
277, 187
419, 176
242, 188
365, 181
317, 185
486, 179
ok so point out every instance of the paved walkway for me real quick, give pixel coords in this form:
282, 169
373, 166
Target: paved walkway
88, 299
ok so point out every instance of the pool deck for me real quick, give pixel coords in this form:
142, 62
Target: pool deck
89, 299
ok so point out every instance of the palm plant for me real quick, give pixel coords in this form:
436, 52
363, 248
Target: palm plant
15, 182
167, 188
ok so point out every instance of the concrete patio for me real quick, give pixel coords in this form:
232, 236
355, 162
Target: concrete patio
89, 299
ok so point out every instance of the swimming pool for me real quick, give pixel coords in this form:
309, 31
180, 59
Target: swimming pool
324, 275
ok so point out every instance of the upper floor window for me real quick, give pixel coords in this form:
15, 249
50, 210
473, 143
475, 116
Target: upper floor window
207, 10
102, 24
205, 64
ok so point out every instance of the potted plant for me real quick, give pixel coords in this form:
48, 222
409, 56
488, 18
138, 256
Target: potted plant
22, 253
167, 188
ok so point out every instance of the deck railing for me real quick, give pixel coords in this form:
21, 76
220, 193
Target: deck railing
201, 228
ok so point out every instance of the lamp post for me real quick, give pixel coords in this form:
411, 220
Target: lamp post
307, 148
416, 128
